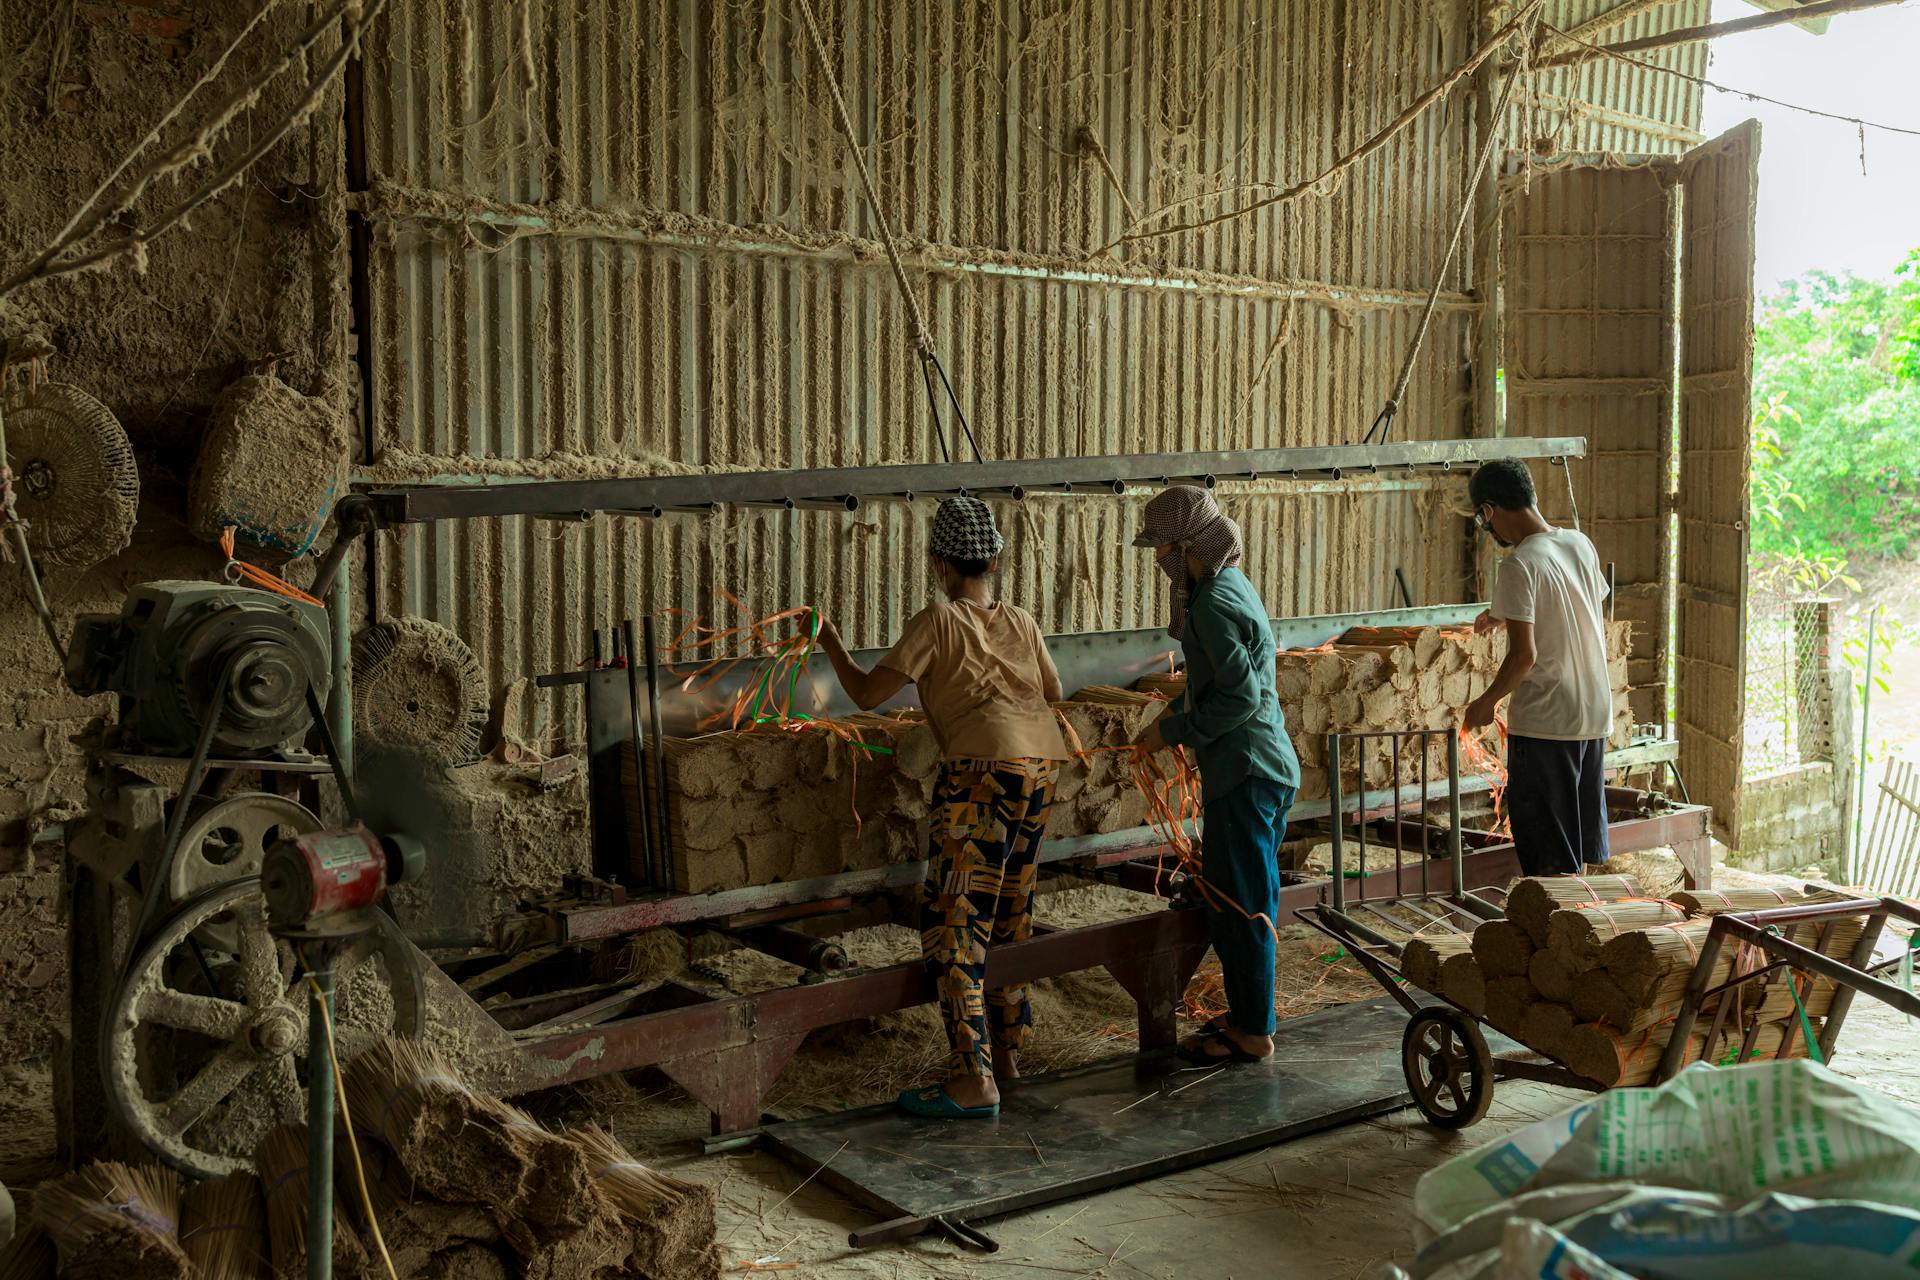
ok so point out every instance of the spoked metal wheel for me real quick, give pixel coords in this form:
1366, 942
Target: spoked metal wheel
1448, 1066
205, 1046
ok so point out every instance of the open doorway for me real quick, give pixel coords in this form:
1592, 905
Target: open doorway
1834, 510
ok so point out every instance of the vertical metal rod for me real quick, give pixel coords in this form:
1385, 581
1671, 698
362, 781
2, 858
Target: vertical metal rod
642, 804
1866, 717
1453, 813
1360, 814
340, 697
1399, 839
319, 1124
1334, 799
662, 847
1426, 858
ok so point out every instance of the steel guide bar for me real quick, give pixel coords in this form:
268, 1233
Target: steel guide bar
845, 488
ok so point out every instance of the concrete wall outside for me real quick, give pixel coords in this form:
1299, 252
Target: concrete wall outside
1803, 815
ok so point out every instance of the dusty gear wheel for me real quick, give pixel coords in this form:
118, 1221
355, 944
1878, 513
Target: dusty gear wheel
204, 1047
225, 840
74, 479
417, 685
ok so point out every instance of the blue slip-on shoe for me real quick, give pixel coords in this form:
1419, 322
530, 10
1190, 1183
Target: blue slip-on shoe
938, 1104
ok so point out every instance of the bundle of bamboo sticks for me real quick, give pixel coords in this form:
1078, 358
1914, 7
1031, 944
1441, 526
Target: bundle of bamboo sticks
111, 1221
1588, 973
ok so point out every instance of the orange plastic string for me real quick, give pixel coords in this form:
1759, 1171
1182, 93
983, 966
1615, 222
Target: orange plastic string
764, 703
1491, 766
1173, 800
260, 577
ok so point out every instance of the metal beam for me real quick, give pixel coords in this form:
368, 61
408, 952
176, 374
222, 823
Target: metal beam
847, 487
1799, 15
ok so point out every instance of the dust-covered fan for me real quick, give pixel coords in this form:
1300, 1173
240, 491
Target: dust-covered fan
74, 479
418, 686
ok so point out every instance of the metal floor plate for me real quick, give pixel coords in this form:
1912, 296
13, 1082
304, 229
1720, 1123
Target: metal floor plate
1076, 1132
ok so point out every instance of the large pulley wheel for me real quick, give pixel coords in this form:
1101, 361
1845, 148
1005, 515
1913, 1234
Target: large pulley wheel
1449, 1067
226, 840
205, 1047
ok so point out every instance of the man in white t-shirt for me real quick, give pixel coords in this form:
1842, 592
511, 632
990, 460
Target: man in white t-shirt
1548, 595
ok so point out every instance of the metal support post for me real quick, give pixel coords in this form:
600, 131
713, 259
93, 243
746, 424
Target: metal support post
1454, 850
340, 701
320, 1122
1334, 798
663, 845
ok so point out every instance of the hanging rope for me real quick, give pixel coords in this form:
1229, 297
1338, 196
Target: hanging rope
1327, 179
922, 340
1383, 422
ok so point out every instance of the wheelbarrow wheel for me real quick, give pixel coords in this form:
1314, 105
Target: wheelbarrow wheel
1448, 1066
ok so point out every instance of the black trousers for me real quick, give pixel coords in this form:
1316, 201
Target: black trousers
1557, 798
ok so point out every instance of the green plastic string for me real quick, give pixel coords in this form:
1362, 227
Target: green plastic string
1806, 1023
791, 658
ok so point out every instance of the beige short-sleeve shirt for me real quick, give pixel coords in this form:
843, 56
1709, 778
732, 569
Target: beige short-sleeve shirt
982, 672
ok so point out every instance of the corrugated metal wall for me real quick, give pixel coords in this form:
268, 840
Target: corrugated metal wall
618, 236
1620, 104
1588, 300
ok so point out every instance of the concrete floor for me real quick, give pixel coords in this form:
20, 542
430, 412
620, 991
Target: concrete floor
1336, 1205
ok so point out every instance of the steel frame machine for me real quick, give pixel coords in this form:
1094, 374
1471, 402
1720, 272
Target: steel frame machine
532, 1002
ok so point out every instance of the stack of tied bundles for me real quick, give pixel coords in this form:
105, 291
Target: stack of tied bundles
1587, 972
1384, 678
779, 804
465, 1185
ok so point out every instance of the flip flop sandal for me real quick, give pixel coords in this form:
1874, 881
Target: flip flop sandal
939, 1104
1197, 1052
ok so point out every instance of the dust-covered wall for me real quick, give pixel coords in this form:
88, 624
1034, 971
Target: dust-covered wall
251, 279
620, 236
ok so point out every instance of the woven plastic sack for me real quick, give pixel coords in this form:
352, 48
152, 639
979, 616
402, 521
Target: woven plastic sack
1602, 1231
1739, 1132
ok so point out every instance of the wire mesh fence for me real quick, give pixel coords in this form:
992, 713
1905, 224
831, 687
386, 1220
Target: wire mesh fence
1789, 716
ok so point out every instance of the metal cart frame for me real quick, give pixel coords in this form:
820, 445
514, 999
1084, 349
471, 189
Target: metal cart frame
1449, 1065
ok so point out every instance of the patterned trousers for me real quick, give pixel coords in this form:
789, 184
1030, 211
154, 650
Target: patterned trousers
989, 818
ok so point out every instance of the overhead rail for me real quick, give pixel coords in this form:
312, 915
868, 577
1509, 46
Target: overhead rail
847, 488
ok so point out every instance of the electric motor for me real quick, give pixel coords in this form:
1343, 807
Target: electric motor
167, 650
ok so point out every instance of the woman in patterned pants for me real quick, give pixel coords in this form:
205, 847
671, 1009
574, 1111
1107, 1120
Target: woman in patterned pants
987, 683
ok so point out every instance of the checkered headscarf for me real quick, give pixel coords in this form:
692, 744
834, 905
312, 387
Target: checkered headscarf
1181, 520
963, 529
